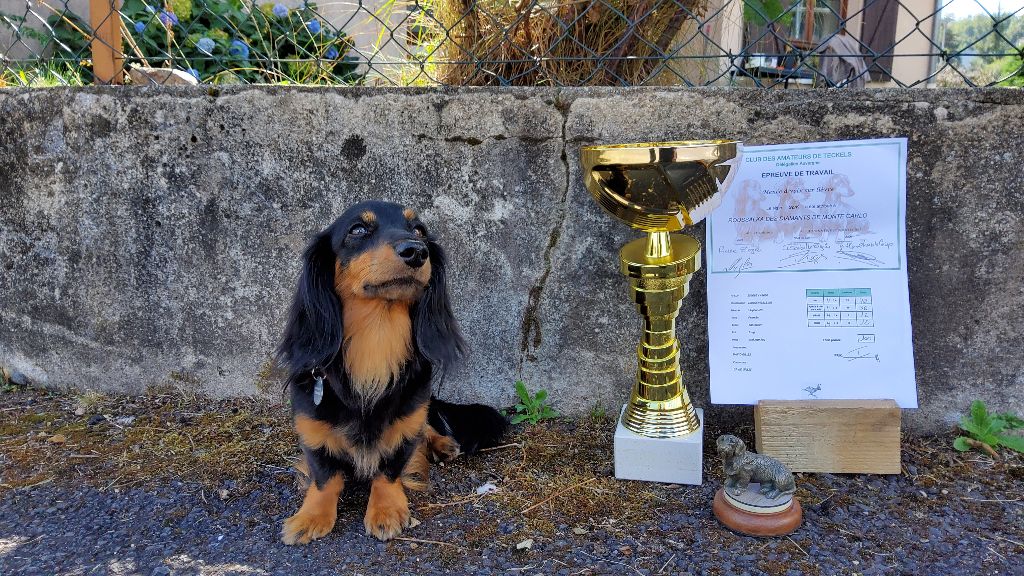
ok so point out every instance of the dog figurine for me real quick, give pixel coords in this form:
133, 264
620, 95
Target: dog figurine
742, 468
369, 330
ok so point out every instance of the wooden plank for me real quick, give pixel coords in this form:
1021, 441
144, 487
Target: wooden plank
107, 59
850, 436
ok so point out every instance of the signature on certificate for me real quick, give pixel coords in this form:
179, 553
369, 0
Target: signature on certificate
860, 258
859, 353
803, 257
739, 265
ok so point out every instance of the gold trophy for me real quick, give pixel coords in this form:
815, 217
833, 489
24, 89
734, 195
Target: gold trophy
660, 188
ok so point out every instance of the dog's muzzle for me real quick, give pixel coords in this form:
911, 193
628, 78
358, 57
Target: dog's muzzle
413, 252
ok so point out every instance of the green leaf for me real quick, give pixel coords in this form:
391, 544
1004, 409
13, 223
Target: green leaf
979, 414
540, 396
1012, 442
521, 408
519, 418
968, 425
990, 439
522, 392
961, 444
1013, 422
996, 425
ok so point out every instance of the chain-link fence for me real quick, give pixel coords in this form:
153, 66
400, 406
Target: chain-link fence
765, 43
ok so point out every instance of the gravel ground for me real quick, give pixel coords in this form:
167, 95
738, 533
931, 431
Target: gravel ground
125, 495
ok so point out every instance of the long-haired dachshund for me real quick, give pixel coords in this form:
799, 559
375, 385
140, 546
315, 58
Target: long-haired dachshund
368, 332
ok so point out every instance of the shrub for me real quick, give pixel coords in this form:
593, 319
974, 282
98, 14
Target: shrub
218, 41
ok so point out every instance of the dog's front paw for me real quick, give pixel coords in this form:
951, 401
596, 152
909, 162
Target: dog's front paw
388, 510
306, 526
442, 448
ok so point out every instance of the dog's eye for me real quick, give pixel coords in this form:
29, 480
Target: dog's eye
358, 230
420, 231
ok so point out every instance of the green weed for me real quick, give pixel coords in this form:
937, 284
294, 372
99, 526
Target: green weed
533, 408
985, 431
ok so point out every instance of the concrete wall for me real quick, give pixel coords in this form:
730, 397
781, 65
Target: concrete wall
151, 236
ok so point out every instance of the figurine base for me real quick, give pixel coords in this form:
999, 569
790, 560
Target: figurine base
755, 515
671, 460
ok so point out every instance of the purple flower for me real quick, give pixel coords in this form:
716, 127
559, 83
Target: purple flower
280, 10
139, 27
239, 50
314, 26
331, 53
205, 45
168, 18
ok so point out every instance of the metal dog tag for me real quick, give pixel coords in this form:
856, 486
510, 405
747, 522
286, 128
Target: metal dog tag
318, 390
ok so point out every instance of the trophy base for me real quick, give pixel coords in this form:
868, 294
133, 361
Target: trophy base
672, 460
753, 514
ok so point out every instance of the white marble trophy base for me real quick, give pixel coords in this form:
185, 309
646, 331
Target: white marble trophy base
671, 460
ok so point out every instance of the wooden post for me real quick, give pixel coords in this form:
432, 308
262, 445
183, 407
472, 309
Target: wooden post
852, 436
107, 59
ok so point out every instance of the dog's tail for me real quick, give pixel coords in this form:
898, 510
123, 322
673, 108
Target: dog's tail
473, 426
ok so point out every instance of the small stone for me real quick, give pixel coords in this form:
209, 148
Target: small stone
525, 544
161, 571
580, 531
626, 550
413, 545
80, 411
96, 419
223, 494
57, 439
125, 420
487, 488
18, 378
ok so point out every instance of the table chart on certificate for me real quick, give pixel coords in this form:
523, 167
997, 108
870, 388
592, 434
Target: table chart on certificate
839, 307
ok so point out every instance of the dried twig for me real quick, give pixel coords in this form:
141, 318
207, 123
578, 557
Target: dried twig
492, 448
557, 494
1008, 540
421, 541
982, 446
799, 547
662, 569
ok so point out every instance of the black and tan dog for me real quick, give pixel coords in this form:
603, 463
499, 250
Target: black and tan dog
371, 322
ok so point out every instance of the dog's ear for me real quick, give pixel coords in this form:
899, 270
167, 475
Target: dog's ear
437, 333
313, 333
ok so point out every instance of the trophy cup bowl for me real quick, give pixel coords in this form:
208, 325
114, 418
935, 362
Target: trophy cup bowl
660, 187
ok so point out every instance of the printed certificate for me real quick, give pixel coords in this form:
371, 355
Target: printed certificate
807, 276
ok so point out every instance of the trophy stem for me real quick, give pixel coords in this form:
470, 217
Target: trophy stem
659, 269
659, 245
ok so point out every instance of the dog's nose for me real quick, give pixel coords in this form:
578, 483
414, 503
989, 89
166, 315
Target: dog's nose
412, 252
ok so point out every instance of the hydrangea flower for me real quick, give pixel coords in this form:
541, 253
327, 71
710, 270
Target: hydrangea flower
239, 50
181, 8
139, 27
280, 10
314, 26
168, 18
194, 72
331, 53
150, 9
205, 45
